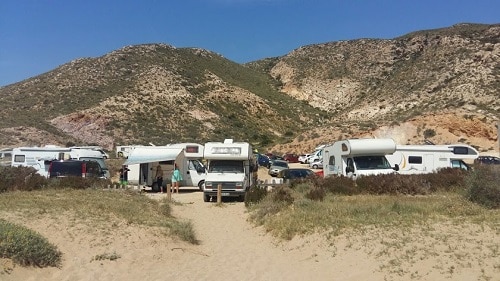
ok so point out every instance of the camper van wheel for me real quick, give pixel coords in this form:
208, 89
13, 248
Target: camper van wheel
120, 154
206, 198
241, 198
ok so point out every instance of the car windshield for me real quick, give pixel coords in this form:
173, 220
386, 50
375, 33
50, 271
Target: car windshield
371, 162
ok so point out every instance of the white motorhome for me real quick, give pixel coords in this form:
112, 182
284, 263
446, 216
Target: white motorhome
143, 163
123, 151
40, 157
421, 159
93, 147
358, 157
231, 165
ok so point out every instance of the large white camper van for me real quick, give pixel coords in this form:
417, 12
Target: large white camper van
421, 159
231, 165
358, 157
143, 163
41, 157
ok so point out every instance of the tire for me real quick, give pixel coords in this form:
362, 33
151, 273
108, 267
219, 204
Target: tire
206, 198
120, 154
201, 184
315, 166
241, 198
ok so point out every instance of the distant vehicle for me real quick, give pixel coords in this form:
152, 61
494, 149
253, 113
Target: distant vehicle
75, 168
303, 158
291, 158
277, 166
40, 157
295, 173
487, 160
422, 159
262, 160
317, 164
96, 148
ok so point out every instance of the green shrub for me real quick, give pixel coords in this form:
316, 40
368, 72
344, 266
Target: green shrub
446, 179
255, 195
316, 193
282, 194
20, 179
337, 185
483, 186
27, 247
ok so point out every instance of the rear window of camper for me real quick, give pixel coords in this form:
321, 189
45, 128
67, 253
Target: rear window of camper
460, 150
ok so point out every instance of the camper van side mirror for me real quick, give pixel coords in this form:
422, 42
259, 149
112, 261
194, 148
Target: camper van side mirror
396, 167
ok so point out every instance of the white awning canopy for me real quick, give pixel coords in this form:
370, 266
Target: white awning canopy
152, 154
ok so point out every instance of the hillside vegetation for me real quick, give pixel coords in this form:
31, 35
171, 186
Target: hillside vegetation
443, 81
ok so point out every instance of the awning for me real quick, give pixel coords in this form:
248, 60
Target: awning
152, 154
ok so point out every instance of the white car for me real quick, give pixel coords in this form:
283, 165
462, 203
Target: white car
318, 164
303, 158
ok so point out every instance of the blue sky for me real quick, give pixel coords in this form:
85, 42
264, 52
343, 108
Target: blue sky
37, 36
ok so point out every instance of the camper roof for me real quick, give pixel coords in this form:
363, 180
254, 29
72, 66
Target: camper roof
152, 154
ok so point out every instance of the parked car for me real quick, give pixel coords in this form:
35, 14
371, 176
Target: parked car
303, 158
295, 173
318, 164
76, 168
487, 160
277, 166
263, 160
291, 158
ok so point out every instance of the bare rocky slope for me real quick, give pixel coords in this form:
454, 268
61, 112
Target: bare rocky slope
441, 85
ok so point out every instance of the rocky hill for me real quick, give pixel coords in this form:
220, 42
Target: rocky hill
441, 85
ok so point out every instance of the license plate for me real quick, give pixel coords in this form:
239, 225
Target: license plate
224, 194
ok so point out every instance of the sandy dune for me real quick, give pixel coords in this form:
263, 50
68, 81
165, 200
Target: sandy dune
233, 249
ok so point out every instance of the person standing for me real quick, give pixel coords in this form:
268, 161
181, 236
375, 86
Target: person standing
176, 178
159, 178
124, 175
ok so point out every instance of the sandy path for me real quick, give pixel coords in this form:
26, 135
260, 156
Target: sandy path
232, 249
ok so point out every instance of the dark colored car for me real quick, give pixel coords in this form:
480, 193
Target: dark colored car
291, 158
487, 160
262, 160
75, 168
295, 173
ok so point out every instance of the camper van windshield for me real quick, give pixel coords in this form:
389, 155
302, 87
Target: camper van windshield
232, 166
371, 162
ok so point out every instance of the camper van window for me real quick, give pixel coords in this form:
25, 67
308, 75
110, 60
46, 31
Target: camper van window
169, 162
331, 160
461, 150
191, 149
19, 158
415, 159
344, 147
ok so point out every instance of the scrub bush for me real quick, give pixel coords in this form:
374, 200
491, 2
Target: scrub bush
483, 186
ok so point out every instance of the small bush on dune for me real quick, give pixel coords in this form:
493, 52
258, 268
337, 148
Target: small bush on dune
336, 185
255, 195
20, 179
483, 186
27, 247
